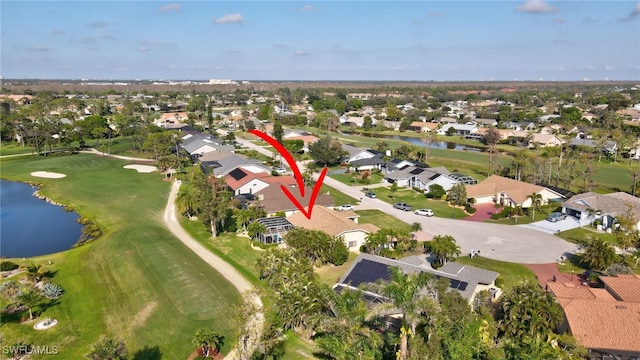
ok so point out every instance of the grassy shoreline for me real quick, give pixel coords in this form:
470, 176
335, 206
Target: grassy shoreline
133, 281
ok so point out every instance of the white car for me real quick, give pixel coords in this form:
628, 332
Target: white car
345, 207
424, 212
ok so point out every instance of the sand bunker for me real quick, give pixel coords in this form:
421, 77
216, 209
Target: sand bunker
47, 174
142, 168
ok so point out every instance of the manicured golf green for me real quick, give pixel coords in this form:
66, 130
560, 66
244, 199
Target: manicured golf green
136, 282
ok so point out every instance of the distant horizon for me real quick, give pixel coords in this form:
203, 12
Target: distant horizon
239, 81
418, 41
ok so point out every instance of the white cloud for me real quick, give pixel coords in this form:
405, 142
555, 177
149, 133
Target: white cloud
536, 7
143, 49
229, 19
608, 67
173, 7
308, 8
301, 53
635, 13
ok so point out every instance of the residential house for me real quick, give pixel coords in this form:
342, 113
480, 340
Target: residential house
242, 181
607, 146
221, 163
171, 120
422, 178
519, 126
552, 129
423, 127
306, 138
373, 163
544, 140
547, 118
508, 192
342, 224
274, 201
395, 163
486, 122
274, 229
446, 120
459, 129
605, 321
354, 153
199, 144
590, 206
465, 279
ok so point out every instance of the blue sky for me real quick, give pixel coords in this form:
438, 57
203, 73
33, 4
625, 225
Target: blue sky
325, 40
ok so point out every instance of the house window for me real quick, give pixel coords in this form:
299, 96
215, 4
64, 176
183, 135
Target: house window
353, 244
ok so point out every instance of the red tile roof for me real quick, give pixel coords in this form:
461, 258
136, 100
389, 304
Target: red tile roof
623, 287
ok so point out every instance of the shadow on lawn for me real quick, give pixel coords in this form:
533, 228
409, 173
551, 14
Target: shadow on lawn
148, 353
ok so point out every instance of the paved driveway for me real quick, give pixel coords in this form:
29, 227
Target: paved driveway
549, 227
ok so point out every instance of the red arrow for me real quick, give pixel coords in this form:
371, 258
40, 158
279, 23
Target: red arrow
296, 173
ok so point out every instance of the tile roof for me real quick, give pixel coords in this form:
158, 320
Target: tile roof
517, 190
604, 325
623, 287
570, 290
333, 222
608, 204
274, 200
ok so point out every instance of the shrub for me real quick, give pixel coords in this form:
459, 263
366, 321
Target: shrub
499, 281
8, 266
51, 291
469, 209
436, 191
339, 255
506, 211
618, 268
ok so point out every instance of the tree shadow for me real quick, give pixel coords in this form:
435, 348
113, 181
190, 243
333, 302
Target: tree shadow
148, 353
46, 305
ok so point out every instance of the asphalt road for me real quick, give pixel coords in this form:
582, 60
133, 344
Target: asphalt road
520, 244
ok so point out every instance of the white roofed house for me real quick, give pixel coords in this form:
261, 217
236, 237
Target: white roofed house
544, 140
590, 206
422, 178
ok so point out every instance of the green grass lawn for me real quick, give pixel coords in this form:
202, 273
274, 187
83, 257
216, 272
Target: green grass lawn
137, 281
13, 149
512, 273
349, 179
339, 198
584, 235
380, 219
418, 201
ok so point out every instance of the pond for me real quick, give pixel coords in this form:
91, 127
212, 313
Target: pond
30, 226
433, 145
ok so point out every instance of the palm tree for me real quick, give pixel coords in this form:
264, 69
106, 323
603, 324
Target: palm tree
108, 349
35, 272
536, 202
527, 311
207, 341
394, 188
636, 256
444, 247
311, 168
598, 255
346, 334
403, 294
416, 226
29, 298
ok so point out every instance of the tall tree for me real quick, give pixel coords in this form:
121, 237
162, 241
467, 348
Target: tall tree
526, 310
278, 132
444, 247
598, 255
29, 297
536, 202
457, 195
326, 151
403, 295
345, 333
215, 203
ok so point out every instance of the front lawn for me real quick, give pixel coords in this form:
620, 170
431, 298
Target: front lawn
339, 198
354, 178
511, 273
584, 235
418, 201
380, 219
137, 282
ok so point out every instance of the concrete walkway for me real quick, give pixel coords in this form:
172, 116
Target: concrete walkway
226, 270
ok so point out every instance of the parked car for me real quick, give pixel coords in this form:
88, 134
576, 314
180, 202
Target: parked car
556, 216
344, 207
370, 195
402, 206
424, 212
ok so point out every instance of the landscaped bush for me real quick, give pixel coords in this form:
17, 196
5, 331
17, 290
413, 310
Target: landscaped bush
506, 211
436, 191
470, 209
51, 291
8, 266
499, 281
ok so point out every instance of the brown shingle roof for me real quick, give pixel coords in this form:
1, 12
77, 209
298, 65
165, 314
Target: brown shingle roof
604, 325
273, 199
330, 221
623, 287
517, 190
